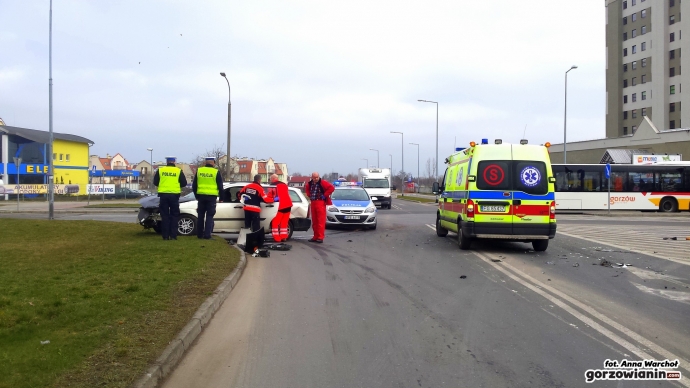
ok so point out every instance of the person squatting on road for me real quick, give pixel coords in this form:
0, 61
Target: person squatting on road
207, 187
253, 195
170, 181
319, 191
279, 225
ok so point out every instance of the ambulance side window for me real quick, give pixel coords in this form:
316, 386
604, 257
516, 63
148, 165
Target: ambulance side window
446, 178
494, 175
531, 177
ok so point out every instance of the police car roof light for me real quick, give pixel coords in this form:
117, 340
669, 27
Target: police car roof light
523, 141
498, 141
485, 141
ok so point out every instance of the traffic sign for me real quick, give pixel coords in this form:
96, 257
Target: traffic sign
608, 170
93, 168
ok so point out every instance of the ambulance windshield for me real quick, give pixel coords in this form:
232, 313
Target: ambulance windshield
375, 183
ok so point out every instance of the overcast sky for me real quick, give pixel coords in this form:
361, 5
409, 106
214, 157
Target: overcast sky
315, 84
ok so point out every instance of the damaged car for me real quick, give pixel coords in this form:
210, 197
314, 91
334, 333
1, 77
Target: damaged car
229, 216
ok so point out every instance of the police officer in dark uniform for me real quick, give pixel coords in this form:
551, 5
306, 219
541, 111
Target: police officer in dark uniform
207, 187
170, 181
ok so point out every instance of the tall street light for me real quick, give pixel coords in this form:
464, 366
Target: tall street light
402, 160
391, 155
227, 152
435, 164
151, 151
51, 187
565, 113
367, 165
378, 165
417, 165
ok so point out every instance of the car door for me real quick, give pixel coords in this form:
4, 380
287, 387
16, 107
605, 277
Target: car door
229, 213
268, 210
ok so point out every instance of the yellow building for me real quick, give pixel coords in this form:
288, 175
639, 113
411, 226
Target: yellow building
70, 157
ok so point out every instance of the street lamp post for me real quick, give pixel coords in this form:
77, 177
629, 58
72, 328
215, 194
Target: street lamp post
402, 151
227, 153
565, 113
435, 164
151, 151
51, 188
417, 165
377, 157
391, 155
17, 164
367, 165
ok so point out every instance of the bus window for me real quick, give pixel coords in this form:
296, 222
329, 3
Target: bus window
669, 181
618, 181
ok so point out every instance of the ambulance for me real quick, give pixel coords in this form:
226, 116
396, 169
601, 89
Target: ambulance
498, 191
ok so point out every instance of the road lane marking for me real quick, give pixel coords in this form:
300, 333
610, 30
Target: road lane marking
539, 287
432, 227
396, 207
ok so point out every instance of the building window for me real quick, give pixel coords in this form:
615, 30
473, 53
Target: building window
671, 54
625, 5
625, 20
643, 30
643, 46
634, 33
672, 107
634, 128
625, 52
671, 19
644, 111
672, 37
643, 78
67, 158
625, 83
625, 36
672, 72
54, 156
673, 91
634, 18
625, 99
625, 67
643, 13
672, 124
644, 62
634, 98
634, 49
634, 65
644, 95
625, 130
634, 113
671, 3
625, 115
634, 81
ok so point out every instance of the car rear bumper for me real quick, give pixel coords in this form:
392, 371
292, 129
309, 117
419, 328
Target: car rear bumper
509, 231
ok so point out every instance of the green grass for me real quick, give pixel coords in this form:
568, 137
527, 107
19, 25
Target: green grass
416, 199
108, 296
114, 205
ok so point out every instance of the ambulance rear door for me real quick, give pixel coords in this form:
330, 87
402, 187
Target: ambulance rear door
531, 197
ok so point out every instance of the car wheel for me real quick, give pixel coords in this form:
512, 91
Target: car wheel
463, 241
290, 229
540, 245
440, 230
668, 205
186, 225
157, 227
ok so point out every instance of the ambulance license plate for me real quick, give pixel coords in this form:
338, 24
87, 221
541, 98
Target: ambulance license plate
494, 209
351, 217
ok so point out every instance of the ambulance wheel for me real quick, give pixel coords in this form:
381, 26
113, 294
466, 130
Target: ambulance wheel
463, 241
186, 225
668, 205
157, 227
440, 230
540, 245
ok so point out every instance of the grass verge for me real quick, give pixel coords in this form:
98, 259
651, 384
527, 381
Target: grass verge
114, 205
416, 199
108, 296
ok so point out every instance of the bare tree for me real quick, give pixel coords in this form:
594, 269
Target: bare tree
217, 152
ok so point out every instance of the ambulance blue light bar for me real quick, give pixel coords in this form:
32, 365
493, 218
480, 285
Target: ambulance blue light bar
458, 149
485, 141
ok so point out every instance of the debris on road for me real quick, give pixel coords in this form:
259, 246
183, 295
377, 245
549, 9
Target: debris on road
349, 240
670, 238
496, 260
463, 277
550, 263
606, 263
46, 342
576, 265
623, 265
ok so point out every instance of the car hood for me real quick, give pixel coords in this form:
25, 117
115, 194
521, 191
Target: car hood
349, 204
153, 201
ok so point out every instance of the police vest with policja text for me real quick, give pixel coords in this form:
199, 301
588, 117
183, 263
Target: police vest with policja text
206, 181
169, 180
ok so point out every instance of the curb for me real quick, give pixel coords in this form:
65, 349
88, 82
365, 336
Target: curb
184, 340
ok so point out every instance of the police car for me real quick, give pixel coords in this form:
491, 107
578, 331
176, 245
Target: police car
351, 206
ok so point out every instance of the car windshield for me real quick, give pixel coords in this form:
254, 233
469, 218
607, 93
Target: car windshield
375, 183
350, 195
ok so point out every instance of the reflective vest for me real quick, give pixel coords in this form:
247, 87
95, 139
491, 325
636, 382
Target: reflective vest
206, 181
169, 182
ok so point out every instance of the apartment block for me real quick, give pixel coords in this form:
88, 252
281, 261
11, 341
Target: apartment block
644, 65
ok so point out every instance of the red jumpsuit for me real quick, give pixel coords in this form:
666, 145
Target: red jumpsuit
320, 197
279, 225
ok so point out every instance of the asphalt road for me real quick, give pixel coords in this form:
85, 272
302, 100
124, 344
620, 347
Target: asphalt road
401, 307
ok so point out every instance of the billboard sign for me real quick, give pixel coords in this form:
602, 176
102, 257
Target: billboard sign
38, 189
101, 189
654, 159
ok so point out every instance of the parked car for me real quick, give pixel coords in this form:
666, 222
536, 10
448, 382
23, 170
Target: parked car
124, 193
229, 216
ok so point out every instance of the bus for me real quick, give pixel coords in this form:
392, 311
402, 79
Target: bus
662, 187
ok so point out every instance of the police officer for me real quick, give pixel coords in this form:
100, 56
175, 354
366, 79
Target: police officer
253, 195
170, 181
207, 187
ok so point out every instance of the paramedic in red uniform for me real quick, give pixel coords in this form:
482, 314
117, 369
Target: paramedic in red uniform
319, 191
254, 194
279, 225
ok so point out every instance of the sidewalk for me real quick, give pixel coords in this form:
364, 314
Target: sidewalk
63, 207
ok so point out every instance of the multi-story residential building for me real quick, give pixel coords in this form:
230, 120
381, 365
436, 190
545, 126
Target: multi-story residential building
644, 61
244, 169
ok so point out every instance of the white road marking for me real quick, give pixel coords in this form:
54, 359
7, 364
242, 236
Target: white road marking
396, 207
431, 226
